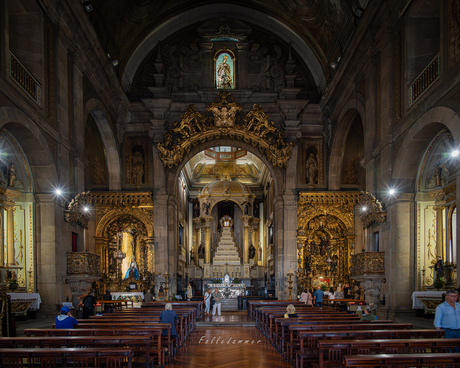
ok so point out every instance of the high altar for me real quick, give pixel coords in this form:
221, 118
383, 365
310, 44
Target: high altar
228, 289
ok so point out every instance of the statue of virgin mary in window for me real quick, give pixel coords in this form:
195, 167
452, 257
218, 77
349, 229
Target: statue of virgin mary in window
132, 271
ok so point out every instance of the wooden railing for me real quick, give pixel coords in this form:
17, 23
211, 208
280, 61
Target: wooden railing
24, 78
424, 80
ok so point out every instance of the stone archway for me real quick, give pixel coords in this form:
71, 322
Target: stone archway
410, 149
354, 107
98, 112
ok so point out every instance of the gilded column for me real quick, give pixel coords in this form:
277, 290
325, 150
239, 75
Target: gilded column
10, 235
2, 250
207, 244
246, 245
439, 233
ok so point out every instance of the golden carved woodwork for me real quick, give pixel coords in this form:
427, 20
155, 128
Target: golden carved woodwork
252, 128
76, 212
325, 230
373, 212
83, 263
366, 263
444, 196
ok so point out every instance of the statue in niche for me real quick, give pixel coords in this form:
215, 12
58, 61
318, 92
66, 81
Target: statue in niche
224, 74
196, 210
437, 175
206, 207
137, 168
252, 251
132, 271
201, 250
246, 207
192, 256
11, 175
312, 169
439, 268
255, 210
323, 246
259, 252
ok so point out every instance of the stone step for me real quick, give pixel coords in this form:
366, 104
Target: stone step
229, 305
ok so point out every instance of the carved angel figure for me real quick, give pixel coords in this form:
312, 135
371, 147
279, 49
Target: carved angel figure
225, 116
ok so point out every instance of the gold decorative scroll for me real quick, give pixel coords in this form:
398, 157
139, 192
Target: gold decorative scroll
374, 212
252, 128
367, 263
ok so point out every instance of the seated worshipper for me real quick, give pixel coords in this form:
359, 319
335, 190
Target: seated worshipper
367, 315
338, 293
306, 297
65, 319
148, 296
169, 316
290, 312
331, 294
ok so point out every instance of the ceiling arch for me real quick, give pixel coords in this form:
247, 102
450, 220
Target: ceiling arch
207, 12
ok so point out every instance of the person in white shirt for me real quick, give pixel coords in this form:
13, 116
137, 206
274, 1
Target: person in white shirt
207, 301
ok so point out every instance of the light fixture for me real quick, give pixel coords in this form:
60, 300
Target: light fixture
392, 191
115, 62
455, 153
333, 65
88, 6
119, 255
58, 192
364, 209
358, 13
86, 209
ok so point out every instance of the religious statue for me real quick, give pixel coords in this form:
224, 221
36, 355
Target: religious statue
196, 210
323, 246
11, 175
252, 251
224, 74
206, 207
192, 255
439, 268
312, 169
255, 210
138, 168
259, 253
437, 175
246, 207
201, 250
132, 271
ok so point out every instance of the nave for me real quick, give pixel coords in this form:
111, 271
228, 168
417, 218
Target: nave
203, 351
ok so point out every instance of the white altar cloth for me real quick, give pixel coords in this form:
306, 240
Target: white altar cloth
417, 304
136, 296
28, 296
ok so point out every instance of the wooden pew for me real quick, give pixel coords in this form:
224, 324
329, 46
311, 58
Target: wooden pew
139, 344
94, 357
402, 360
309, 346
331, 351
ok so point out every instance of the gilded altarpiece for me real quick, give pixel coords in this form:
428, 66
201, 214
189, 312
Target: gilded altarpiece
128, 216
325, 237
426, 243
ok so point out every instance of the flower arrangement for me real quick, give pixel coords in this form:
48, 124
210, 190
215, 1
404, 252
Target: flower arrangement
236, 280
439, 282
217, 281
12, 280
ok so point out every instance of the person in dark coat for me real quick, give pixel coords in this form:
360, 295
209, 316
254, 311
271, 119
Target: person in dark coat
107, 307
169, 316
88, 305
65, 319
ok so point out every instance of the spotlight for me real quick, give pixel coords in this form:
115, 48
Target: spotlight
364, 209
58, 192
455, 153
333, 65
88, 6
86, 209
392, 191
115, 62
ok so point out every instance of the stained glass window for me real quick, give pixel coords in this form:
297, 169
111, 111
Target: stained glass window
224, 69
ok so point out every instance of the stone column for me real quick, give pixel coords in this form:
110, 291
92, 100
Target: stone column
400, 250
1, 240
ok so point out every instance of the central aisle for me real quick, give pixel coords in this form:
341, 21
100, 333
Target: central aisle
242, 347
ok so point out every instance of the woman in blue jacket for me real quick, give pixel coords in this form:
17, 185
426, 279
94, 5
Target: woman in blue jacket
169, 316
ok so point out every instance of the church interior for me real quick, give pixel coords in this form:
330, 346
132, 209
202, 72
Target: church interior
259, 147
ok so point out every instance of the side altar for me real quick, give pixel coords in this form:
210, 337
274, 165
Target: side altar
228, 289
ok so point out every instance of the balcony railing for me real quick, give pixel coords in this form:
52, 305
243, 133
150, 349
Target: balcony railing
83, 263
24, 79
424, 80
